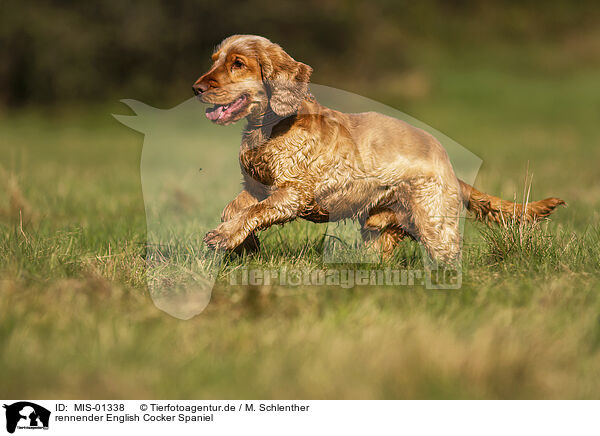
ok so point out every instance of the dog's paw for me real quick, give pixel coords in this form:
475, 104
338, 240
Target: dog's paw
223, 238
216, 240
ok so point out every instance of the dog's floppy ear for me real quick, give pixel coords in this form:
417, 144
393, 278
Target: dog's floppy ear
286, 79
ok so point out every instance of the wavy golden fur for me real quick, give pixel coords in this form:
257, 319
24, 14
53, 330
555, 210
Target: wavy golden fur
302, 160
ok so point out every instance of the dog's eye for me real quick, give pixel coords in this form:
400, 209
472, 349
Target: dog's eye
237, 64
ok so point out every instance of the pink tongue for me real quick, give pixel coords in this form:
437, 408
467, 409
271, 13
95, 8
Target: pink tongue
213, 114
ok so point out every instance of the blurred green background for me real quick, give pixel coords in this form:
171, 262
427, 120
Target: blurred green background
58, 52
516, 82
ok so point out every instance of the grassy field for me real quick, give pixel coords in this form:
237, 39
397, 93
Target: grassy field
77, 320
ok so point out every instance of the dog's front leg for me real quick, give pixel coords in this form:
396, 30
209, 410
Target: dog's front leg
243, 200
280, 207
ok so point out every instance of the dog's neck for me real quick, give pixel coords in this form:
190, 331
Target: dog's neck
260, 127
265, 119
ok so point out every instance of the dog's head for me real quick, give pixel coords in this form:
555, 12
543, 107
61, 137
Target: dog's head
249, 74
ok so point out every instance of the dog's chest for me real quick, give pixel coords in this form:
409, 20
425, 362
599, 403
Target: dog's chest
277, 162
255, 163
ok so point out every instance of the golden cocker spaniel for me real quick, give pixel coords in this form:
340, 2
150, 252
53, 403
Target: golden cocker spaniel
302, 160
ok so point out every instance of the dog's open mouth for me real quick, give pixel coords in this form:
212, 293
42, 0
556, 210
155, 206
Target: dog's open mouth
225, 112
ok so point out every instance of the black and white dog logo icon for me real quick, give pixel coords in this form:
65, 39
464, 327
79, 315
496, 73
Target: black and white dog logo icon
26, 415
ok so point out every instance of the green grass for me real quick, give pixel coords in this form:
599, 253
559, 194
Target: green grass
78, 321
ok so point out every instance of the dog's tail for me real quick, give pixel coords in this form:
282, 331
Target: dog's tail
486, 207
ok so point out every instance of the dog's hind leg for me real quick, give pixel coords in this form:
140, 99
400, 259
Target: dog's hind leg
381, 230
435, 210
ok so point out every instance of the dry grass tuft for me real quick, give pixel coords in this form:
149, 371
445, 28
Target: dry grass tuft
16, 207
